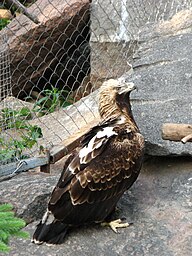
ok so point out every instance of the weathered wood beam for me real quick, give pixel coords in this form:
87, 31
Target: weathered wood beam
51, 157
10, 170
68, 145
177, 132
187, 138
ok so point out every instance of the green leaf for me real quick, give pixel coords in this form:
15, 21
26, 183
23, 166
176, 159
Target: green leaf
4, 247
5, 207
4, 22
22, 234
53, 100
9, 225
12, 224
25, 112
4, 236
6, 154
40, 101
6, 215
14, 148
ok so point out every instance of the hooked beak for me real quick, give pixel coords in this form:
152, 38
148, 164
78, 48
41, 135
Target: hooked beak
127, 87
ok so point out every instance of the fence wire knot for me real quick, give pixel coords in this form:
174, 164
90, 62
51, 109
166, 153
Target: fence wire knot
19, 165
18, 170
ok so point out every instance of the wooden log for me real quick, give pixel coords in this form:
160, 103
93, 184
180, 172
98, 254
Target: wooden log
10, 170
187, 138
50, 157
177, 132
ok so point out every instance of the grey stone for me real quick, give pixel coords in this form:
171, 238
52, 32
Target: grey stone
110, 60
159, 206
162, 66
120, 20
162, 72
16, 192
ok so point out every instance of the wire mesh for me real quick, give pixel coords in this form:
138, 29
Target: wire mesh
48, 67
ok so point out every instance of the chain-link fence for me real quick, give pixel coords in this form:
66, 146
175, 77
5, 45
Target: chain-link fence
54, 53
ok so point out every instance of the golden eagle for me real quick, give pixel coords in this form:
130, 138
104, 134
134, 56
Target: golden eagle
99, 172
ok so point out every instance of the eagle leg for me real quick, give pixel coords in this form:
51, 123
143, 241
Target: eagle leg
116, 224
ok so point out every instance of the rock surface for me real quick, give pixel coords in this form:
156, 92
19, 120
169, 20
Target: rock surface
5, 14
54, 52
162, 72
110, 60
122, 19
159, 205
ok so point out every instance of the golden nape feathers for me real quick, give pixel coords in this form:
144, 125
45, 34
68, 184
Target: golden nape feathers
96, 175
114, 99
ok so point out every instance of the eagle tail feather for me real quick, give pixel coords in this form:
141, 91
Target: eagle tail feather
50, 233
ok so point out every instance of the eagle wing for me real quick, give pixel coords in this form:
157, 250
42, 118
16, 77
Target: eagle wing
106, 165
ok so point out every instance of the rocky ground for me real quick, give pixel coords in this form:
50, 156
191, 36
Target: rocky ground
159, 205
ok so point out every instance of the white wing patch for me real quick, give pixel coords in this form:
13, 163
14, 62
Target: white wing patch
107, 131
94, 143
87, 149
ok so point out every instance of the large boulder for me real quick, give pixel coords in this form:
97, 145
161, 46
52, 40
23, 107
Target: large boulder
121, 20
162, 72
54, 52
115, 30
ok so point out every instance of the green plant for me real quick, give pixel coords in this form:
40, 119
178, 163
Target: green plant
10, 226
53, 100
4, 22
14, 118
13, 148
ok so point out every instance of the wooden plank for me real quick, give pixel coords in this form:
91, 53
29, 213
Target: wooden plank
187, 138
55, 154
68, 145
177, 132
45, 168
29, 163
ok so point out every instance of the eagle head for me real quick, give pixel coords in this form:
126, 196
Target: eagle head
114, 98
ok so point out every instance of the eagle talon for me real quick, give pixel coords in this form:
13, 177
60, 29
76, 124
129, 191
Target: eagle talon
115, 224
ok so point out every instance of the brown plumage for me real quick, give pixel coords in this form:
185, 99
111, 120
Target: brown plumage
100, 171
